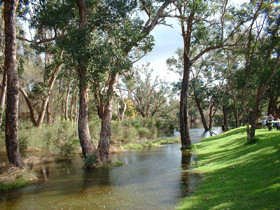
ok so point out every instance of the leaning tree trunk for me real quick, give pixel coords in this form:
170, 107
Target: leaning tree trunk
46, 99
105, 133
30, 107
3, 96
49, 116
184, 124
10, 65
203, 120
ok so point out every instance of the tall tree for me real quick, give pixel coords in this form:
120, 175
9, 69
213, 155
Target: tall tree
202, 32
10, 66
150, 95
261, 59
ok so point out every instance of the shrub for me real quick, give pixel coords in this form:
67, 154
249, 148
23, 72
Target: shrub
23, 144
130, 134
144, 132
94, 129
117, 132
67, 149
154, 133
90, 161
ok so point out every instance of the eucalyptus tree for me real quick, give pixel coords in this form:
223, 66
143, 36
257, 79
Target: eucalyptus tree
126, 41
273, 96
150, 95
205, 26
85, 31
10, 65
37, 93
261, 59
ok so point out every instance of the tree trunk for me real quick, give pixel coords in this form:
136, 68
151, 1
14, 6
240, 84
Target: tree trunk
225, 117
30, 107
203, 120
76, 109
260, 93
124, 110
3, 96
46, 100
105, 133
67, 100
83, 125
272, 105
211, 115
184, 124
49, 116
10, 65
73, 99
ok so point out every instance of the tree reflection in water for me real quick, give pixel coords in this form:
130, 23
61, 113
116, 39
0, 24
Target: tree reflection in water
188, 178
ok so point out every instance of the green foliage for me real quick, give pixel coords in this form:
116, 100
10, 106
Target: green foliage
23, 144
59, 139
130, 134
67, 149
14, 178
117, 131
94, 129
144, 132
90, 161
15, 185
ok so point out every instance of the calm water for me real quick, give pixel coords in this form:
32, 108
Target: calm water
153, 179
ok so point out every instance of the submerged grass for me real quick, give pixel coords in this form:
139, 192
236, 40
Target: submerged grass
14, 178
150, 144
238, 175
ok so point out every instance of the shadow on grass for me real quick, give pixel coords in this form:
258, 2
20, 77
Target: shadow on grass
239, 175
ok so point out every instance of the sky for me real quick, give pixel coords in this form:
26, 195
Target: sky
167, 41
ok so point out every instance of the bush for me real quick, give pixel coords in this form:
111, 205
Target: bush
67, 149
130, 134
94, 129
117, 132
144, 132
23, 144
60, 138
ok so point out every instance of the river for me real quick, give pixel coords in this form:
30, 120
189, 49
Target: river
151, 179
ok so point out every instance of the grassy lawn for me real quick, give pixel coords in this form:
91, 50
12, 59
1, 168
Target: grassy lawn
236, 175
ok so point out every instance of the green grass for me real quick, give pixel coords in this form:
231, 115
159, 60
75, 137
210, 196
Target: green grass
14, 178
237, 175
150, 144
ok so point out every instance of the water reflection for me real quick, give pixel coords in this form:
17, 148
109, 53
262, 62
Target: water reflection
185, 176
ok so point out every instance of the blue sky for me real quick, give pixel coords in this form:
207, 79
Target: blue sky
167, 41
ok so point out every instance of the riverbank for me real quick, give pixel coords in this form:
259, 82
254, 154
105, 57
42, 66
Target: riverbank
237, 175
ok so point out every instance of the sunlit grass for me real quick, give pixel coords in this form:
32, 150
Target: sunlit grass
237, 175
